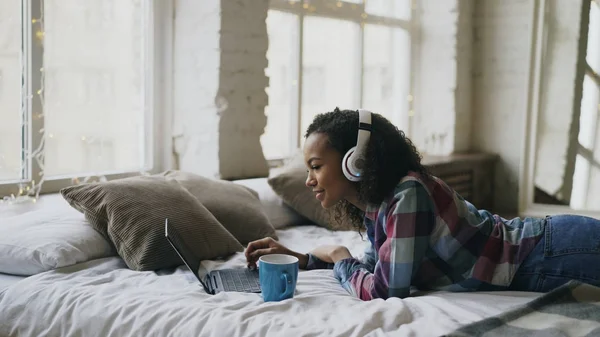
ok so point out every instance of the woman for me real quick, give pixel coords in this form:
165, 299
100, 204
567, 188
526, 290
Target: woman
422, 233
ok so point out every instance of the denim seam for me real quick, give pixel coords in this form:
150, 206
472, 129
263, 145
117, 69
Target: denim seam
574, 251
547, 245
579, 277
548, 236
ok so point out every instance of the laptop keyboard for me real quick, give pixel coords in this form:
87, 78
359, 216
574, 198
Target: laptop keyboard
245, 280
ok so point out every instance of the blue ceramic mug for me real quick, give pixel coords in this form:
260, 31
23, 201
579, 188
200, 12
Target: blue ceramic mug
278, 274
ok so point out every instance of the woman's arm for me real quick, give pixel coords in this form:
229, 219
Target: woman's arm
258, 248
410, 218
316, 263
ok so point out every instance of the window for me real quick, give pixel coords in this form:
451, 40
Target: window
76, 89
324, 54
587, 163
315, 86
10, 90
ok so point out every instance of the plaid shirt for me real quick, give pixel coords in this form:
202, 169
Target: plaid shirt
426, 235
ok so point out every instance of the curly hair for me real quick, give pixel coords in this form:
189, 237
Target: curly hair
390, 155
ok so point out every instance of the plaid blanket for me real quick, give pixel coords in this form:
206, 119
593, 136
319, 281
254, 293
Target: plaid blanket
570, 310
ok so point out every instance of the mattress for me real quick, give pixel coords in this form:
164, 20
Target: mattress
104, 297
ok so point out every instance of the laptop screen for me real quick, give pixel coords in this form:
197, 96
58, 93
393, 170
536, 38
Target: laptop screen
185, 253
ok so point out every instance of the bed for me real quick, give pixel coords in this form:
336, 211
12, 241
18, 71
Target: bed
105, 297
7, 280
101, 296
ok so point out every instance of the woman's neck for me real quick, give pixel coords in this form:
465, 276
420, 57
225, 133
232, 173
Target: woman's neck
355, 200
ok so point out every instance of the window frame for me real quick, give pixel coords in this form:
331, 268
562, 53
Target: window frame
526, 202
158, 99
588, 153
348, 11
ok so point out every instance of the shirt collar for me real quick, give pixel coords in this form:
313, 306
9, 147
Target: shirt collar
371, 212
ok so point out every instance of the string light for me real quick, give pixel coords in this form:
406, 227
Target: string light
29, 192
410, 98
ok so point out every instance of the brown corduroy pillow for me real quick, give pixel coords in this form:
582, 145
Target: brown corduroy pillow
289, 182
236, 207
131, 213
289, 185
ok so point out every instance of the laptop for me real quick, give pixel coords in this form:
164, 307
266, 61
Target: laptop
216, 281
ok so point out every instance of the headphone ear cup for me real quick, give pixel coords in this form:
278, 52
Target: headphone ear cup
348, 165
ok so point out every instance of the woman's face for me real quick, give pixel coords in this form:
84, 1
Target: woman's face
325, 176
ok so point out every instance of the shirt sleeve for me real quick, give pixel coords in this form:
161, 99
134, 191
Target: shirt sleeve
316, 263
409, 221
370, 259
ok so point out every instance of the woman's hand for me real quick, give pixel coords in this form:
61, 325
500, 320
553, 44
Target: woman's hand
258, 248
331, 253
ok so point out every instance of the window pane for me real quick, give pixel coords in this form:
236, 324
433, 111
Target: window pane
281, 112
580, 183
593, 47
386, 78
10, 90
94, 61
330, 68
590, 103
398, 9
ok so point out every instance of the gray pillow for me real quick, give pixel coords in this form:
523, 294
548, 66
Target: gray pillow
131, 213
279, 213
289, 182
236, 207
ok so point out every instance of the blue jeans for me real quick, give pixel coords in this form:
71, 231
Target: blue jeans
568, 250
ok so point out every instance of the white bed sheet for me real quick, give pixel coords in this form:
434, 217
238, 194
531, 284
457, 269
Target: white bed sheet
104, 298
8, 280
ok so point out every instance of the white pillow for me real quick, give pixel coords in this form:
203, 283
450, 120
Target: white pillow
54, 235
280, 214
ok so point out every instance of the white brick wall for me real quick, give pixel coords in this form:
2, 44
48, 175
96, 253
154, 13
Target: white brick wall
435, 78
220, 57
473, 60
463, 91
219, 87
441, 124
500, 74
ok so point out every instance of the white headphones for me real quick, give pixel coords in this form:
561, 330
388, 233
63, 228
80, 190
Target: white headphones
353, 162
